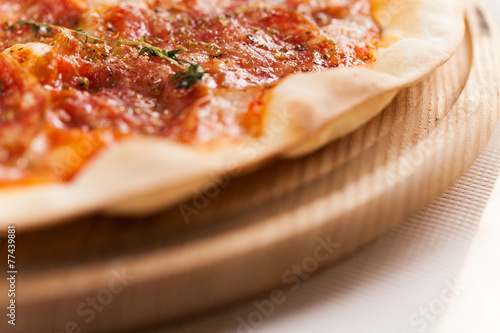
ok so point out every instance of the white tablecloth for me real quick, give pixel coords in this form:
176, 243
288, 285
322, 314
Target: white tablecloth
437, 272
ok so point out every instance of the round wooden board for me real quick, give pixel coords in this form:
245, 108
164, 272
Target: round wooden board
240, 236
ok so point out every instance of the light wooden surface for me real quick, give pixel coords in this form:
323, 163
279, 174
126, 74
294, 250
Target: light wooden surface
263, 223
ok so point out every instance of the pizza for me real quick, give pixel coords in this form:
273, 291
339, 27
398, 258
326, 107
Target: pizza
126, 105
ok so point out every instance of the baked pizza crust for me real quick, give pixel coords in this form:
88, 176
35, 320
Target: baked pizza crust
304, 112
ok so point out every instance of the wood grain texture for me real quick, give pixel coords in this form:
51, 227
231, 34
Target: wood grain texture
244, 233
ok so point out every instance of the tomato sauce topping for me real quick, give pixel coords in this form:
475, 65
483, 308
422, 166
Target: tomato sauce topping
64, 94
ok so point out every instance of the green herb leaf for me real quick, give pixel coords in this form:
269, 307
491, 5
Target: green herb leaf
177, 76
194, 74
173, 54
83, 33
143, 50
36, 29
189, 75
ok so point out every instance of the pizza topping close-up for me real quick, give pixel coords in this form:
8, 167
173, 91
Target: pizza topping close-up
77, 77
